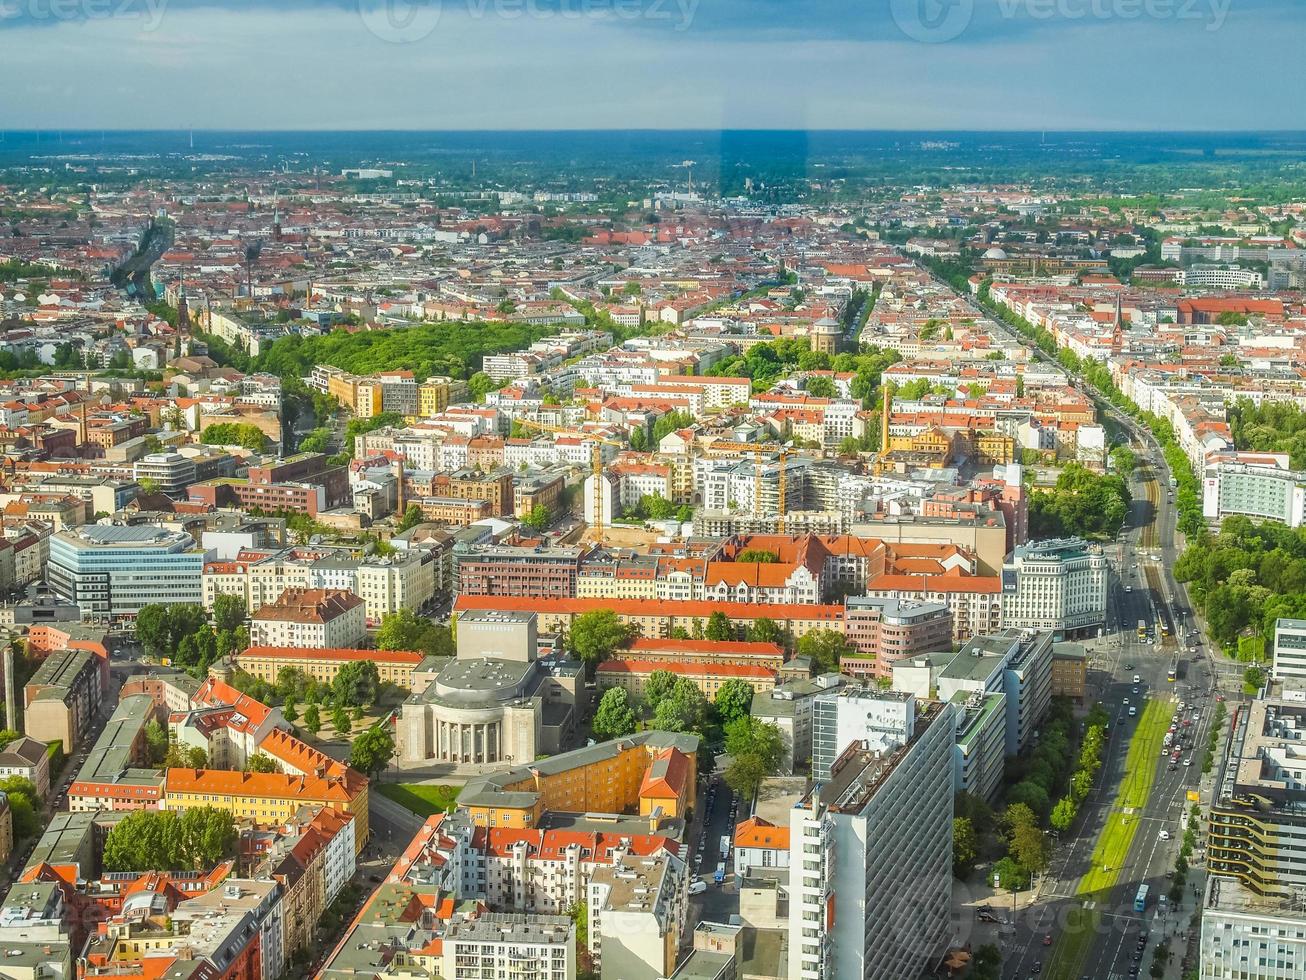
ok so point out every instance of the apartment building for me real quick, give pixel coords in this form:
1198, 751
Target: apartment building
875, 719
504, 570
315, 618
1247, 936
643, 772
790, 707
62, 698
870, 860
637, 909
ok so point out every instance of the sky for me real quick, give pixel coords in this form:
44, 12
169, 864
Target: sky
658, 64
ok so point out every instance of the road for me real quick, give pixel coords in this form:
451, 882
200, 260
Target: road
1141, 590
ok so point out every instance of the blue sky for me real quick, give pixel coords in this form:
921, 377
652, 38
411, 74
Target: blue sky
541, 64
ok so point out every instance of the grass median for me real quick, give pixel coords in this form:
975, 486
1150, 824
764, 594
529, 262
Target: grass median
1112, 850
423, 799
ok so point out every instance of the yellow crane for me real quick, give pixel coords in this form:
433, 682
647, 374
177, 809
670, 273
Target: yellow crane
596, 463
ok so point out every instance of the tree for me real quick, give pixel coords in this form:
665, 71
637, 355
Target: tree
290, 712
733, 700
595, 635
357, 683
764, 630
340, 720
411, 518
820, 386
825, 648
682, 710
405, 630
759, 555
719, 627
756, 749
1063, 814
156, 742
965, 847
615, 715
372, 751
1029, 846
538, 518
258, 762
313, 719
1032, 795
1012, 876
657, 687
228, 612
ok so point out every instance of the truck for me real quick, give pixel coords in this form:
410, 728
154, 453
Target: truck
725, 846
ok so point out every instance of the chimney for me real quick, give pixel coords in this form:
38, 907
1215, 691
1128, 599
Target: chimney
399, 476
884, 418
11, 702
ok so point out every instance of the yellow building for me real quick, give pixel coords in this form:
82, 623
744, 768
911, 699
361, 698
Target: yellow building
369, 399
652, 773
268, 797
267, 663
432, 396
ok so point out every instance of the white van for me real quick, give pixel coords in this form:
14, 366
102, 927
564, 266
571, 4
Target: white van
698, 887
1132, 711
1138, 678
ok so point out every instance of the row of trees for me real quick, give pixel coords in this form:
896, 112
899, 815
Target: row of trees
1274, 427
1051, 770
170, 840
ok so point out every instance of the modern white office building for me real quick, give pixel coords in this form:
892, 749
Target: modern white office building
1057, 585
870, 860
1290, 650
113, 570
1266, 491
879, 720
1248, 937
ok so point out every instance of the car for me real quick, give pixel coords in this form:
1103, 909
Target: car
1132, 711
1163, 835
1138, 955
1129, 666
1038, 966
1138, 679
698, 887
1135, 691
1172, 767
1047, 940
1188, 761
1133, 969
1125, 701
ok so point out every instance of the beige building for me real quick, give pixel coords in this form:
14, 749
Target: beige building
633, 675
61, 699
266, 663
636, 913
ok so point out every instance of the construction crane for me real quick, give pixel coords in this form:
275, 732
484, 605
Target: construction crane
596, 463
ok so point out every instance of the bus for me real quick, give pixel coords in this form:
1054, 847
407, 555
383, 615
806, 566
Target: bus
1140, 900
1165, 628
1142, 629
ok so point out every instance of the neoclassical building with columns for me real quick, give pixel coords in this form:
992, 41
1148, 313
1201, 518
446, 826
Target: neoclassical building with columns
495, 702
